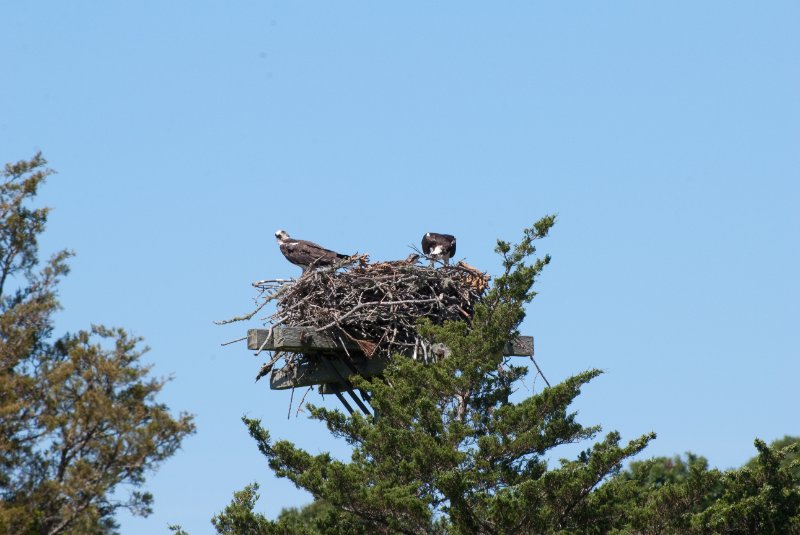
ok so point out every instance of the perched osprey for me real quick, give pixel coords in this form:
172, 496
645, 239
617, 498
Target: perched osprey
306, 254
439, 246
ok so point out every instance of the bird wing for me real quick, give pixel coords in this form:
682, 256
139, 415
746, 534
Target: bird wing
427, 243
305, 253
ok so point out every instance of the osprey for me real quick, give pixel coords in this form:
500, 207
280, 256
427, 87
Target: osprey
306, 254
439, 246
409, 261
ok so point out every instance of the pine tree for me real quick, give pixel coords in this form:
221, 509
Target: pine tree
78, 414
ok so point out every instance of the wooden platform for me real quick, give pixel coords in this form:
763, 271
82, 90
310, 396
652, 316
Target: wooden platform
322, 362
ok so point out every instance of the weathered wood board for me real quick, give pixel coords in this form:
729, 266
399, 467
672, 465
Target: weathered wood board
297, 339
310, 369
304, 339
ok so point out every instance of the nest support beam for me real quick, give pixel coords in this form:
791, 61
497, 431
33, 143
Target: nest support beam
328, 361
346, 386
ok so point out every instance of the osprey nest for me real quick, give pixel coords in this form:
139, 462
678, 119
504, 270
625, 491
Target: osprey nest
375, 305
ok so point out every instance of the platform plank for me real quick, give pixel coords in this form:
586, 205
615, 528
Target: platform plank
296, 339
310, 370
306, 340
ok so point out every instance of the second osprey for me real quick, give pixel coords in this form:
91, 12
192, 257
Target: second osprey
439, 246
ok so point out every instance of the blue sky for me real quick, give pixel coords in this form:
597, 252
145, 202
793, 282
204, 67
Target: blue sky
665, 137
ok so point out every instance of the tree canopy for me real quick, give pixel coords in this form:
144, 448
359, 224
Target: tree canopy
79, 415
452, 451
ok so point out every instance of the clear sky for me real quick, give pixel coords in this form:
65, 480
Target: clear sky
666, 137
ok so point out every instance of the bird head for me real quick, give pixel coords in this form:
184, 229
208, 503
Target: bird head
281, 236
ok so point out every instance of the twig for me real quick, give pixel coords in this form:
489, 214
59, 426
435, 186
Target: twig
264, 282
300, 406
242, 318
233, 341
379, 304
277, 293
266, 368
269, 336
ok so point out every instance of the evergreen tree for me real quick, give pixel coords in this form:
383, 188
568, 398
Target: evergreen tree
450, 451
762, 497
78, 414
789, 444
675, 497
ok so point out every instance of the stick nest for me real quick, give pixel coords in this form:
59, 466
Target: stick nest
377, 305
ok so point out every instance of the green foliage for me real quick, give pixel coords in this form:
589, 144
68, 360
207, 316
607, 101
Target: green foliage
78, 415
307, 518
673, 496
238, 518
761, 498
656, 496
792, 452
449, 451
